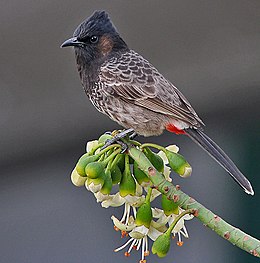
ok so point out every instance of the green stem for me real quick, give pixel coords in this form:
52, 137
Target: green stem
156, 146
109, 147
148, 196
95, 148
135, 142
208, 218
176, 220
111, 156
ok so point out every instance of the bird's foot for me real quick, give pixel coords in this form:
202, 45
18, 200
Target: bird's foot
118, 136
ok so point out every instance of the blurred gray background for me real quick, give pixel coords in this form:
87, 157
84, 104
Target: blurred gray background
209, 49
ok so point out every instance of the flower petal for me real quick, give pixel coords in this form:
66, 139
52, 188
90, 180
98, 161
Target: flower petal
121, 225
134, 200
101, 197
139, 232
167, 172
173, 148
114, 201
163, 156
154, 233
91, 145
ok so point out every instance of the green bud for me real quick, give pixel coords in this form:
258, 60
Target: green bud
76, 179
161, 245
127, 185
107, 186
104, 137
178, 164
116, 174
169, 207
144, 215
139, 175
120, 161
83, 161
94, 169
155, 159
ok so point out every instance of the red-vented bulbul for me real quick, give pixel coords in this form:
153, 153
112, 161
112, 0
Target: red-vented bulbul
123, 85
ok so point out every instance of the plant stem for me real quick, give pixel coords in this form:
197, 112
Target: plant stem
176, 220
208, 218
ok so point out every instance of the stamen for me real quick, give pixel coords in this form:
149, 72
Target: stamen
127, 254
116, 228
130, 248
146, 252
143, 245
127, 243
185, 232
180, 243
128, 214
134, 211
139, 244
124, 215
124, 234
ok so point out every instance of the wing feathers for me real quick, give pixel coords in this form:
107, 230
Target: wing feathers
134, 79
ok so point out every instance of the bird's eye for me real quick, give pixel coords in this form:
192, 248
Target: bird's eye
93, 39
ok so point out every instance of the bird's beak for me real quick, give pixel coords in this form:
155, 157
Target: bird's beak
72, 42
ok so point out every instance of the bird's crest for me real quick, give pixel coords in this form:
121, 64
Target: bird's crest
98, 23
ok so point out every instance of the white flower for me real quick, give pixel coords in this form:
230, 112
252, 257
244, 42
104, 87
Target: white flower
172, 148
91, 145
138, 237
76, 179
94, 185
179, 228
167, 169
167, 172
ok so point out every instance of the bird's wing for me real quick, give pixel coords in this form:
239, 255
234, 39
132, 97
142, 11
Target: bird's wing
133, 79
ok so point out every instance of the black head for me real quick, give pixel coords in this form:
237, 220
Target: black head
96, 37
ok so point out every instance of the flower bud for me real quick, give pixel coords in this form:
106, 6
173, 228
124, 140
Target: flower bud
178, 164
116, 174
144, 215
120, 162
76, 179
139, 175
155, 159
161, 245
94, 170
83, 161
107, 186
169, 207
104, 137
127, 185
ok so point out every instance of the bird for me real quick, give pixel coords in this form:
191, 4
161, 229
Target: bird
127, 88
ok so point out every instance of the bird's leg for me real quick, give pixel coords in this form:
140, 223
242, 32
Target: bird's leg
133, 135
117, 138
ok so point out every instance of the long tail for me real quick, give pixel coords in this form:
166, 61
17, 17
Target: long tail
218, 154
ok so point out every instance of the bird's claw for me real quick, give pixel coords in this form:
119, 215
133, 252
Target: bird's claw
118, 139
